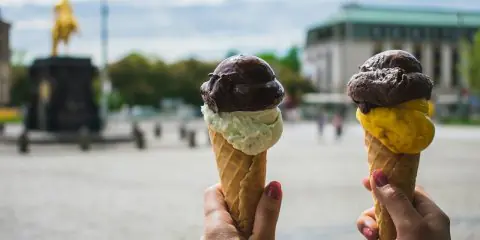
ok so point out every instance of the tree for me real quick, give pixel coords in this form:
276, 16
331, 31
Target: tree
131, 77
19, 90
470, 65
287, 69
292, 60
188, 76
18, 57
232, 52
146, 81
469, 68
142, 79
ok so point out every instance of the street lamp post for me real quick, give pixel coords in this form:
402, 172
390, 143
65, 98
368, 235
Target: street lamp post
104, 79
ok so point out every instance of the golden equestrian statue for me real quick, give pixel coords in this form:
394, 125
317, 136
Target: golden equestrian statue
65, 25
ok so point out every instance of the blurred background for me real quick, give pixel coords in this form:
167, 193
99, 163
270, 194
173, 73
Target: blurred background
149, 59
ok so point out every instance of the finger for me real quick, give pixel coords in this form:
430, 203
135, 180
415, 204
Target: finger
366, 183
395, 201
218, 222
423, 203
215, 207
427, 208
367, 224
267, 213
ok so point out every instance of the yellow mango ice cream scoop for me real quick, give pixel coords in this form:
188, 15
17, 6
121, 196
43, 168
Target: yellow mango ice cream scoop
392, 95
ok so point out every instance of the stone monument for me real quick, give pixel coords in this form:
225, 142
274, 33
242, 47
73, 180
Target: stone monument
63, 99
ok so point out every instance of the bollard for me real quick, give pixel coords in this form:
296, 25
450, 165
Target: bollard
140, 140
158, 130
23, 143
192, 142
84, 139
183, 131
2, 129
138, 136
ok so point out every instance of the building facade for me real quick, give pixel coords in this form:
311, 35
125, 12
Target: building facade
336, 48
5, 75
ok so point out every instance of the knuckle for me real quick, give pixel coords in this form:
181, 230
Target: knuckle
209, 212
392, 194
419, 188
208, 190
368, 212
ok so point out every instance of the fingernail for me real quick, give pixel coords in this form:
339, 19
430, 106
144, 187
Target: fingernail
380, 178
274, 190
367, 232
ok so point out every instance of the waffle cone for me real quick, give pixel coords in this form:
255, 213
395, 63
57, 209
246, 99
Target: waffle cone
401, 170
242, 178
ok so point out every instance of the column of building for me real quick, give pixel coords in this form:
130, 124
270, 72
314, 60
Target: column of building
387, 45
447, 65
408, 46
427, 59
339, 58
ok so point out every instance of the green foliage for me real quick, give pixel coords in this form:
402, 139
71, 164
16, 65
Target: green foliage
18, 57
460, 121
115, 101
292, 60
146, 81
20, 85
139, 79
470, 67
288, 69
231, 53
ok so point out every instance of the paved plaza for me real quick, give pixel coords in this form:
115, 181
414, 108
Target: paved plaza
120, 193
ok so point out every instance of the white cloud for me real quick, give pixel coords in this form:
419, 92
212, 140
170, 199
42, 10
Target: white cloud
208, 32
171, 49
21, 3
33, 24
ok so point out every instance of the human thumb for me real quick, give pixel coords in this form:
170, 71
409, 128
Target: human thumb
398, 205
267, 213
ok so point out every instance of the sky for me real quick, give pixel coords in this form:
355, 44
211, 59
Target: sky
178, 29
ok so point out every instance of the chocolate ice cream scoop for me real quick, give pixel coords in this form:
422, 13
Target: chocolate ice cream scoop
388, 79
242, 83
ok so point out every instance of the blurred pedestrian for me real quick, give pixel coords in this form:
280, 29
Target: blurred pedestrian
320, 122
337, 123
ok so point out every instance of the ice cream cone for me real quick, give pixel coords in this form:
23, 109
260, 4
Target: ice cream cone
401, 170
242, 178
241, 111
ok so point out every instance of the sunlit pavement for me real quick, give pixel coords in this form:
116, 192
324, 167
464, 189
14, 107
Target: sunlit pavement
118, 192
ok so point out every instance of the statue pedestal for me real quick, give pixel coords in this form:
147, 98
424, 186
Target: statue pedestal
62, 96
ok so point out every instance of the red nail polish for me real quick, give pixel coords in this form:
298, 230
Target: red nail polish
380, 178
367, 232
274, 190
